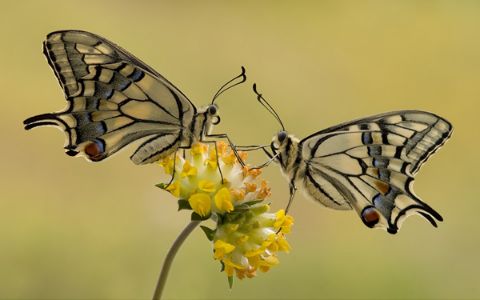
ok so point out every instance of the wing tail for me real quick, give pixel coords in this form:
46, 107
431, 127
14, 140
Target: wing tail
49, 119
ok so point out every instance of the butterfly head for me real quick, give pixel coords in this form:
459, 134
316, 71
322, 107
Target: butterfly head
284, 148
279, 141
206, 118
211, 114
281, 136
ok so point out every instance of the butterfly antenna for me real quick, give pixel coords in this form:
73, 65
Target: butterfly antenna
230, 84
267, 106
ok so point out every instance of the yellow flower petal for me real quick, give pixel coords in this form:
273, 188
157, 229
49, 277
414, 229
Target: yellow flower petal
174, 189
167, 164
237, 194
250, 187
287, 224
273, 247
221, 248
230, 263
248, 272
222, 148
231, 227
283, 222
264, 191
223, 200
254, 253
271, 260
230, 159
254, 261
200, 203
198, 149
270, 239
255, 172
188, 170
242, 239
206, 186
211, 164
280, 217
243, 155
282, 243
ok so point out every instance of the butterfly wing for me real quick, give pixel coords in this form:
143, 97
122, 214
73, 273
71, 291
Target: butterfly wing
113, 100
369, 165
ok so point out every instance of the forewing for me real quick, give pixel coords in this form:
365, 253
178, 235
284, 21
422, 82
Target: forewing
113, 98
369, 164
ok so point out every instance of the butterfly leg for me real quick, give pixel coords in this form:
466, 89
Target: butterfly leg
216, 157
293, 189
254, 148
271, 156
250, 147
173, 173
232, 146
265, 164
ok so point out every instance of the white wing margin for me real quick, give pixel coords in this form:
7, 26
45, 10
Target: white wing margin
369, 165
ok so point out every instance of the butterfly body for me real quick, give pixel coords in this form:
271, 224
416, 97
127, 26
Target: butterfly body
114, 99
367, 165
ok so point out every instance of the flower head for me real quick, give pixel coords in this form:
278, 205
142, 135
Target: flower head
253, 236
197, 180
247, 236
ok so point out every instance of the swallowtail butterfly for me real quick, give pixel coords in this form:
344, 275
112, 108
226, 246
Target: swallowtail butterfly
115, 99
367, 164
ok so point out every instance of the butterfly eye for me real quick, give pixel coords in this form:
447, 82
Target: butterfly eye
281, 136
212, 110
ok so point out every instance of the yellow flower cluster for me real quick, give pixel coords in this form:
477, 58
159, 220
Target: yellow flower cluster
247, 237
198, 181
249, 240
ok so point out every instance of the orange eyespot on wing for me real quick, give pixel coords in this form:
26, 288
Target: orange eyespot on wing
370, 216
95, 151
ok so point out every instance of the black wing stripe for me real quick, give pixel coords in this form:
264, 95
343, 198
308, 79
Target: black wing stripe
341, 188
439, 143
320, 189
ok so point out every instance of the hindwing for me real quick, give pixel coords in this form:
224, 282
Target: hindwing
369, 165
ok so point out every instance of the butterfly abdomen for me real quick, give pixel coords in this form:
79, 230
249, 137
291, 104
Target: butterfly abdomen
156, 147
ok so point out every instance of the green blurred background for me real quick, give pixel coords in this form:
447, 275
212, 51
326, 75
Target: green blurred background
72, 229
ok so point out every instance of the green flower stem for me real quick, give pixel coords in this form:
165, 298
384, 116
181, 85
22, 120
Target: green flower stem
167, 263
